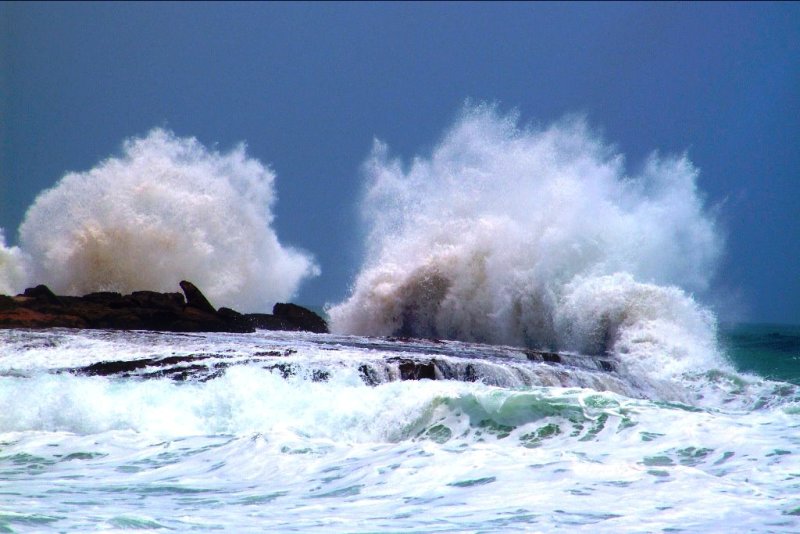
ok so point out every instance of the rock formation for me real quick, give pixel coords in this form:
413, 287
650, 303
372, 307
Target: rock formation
39, 307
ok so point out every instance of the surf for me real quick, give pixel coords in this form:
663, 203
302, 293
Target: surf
164, 210
539, 237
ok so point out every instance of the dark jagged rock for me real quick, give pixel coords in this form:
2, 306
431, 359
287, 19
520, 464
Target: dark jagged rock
39, 307
195, 298
412, 360
104, 297
288, 317
153, 299
542, 356
301, 318
417, 370
267, 321
235, 318
24, 317
7, 303
43, 293
606, 366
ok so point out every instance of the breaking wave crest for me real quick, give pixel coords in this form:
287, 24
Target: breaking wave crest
167, 209
536, 237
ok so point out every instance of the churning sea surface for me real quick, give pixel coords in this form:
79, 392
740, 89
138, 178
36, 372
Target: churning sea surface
278, 431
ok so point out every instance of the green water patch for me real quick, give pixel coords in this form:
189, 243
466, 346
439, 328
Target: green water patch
135, 523
692, 456
600, 402
501, 414
511, 411
388, 469
9, 519
421, 500
779, 452
735, 383
156, 489
302, 450
582, 518
725, 457
83, 456
217, 466
793, 511
512, 518
687, 456
332, 478
473, 482
626, 423
595, 428
542, 466
534, 439
650, 436
199, 502
169, 490
163, 459
261, 499
677, 406
490, 426
658, 461
617, 483
24, 463
23, 458
769, 350
349, 491
128, 469
439, 433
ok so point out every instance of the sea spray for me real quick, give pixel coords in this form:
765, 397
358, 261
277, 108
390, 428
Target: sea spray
13, 268
167, 209
536, 237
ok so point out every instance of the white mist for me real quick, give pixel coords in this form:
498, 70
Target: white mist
535, 237
167, 209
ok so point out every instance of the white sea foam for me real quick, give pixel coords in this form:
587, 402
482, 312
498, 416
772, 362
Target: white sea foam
250, 450
536, 237
167, 209
244, 400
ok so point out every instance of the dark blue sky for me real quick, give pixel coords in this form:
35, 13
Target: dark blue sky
308, 87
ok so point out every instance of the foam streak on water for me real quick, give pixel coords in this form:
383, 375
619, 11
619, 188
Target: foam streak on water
256, 449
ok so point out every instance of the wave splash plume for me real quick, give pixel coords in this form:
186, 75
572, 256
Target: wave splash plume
13, 267
167, 209
536, 237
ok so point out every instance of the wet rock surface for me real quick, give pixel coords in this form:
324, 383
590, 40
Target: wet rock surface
39, 307
418, 360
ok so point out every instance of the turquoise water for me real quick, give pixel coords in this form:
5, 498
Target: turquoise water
769, 350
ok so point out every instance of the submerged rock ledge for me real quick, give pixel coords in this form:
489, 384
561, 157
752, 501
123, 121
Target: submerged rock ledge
39, 307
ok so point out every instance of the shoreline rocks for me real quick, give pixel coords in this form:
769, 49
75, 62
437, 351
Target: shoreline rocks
39, 307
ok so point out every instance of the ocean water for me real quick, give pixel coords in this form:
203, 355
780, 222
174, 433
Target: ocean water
305, 432
768, 350
546, 297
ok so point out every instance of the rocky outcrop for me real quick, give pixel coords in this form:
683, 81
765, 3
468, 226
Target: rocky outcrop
415, 364
39, 307
289, 317
195, 298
